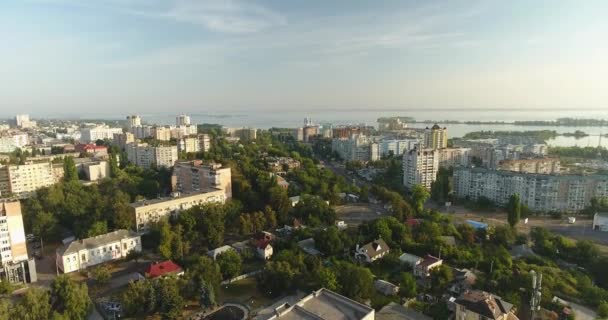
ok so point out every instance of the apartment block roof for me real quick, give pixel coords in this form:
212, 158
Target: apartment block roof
97, 241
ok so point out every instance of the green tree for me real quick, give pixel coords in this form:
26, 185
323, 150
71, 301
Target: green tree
34, 305
356, 282
170, 302
70, 298
139, 298
407, 285
278, 277
230, 263
44, 225
101, 274
419, 196
165, 248
329, 241
514, 210
245, 225
70, 173
602, 310
327, 279
440, 278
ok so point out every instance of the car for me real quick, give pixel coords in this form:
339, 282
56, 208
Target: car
112, 306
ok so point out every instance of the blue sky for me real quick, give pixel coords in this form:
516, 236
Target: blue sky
123, 56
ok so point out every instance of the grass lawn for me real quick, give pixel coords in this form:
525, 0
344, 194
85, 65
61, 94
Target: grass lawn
244, 291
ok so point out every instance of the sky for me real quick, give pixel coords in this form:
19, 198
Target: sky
125, 56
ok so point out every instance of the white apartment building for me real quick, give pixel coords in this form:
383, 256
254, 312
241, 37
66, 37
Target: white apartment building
24, 121
193, 176
142, 131
182, 120
15, 266
397, 146
146, 156
540, 192
451, 157
188, 144
436, 137
161, 133
183, 131
147, 211
357, 147
88, 135
23, 180
12, 141
420, 166
204, 142
133, 121
81, 254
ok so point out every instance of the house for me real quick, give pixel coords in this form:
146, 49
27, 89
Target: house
394, 311
294, 200
262, 237
423, 269
81, 254
386, 288
241, 247
281, 182
372, 251
322, 304
217, 251
464, 279
264, 251
163, 269
410, 259
308, 246
600, 221
477, 304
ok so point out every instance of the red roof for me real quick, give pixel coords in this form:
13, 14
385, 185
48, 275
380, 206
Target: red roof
263, 244
412, 222
160, 269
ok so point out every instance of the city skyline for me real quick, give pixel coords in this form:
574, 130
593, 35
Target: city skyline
67, 56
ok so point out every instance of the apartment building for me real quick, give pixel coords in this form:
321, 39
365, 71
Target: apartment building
204, 142
476, 304
133, 121
146, 156
13, 140
397, 147
92, 168
357, 147
24, 121
88, 135
147, 211
15, 265
536, 165
244, 134
81, 254
192, 176
420, 166
23, 180
436, 137
451, 157
161, 133
182, 120
123, 139
188, 144
540, 192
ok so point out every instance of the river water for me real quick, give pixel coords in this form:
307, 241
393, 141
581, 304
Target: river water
292, 119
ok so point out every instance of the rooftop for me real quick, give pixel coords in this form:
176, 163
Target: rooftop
428, 260
181, 195
97, 241
160, 269
375, 248
485, 304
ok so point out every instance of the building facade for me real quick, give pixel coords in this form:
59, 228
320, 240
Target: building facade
81, 254
451, 157
536, 165
88, 135
193, 176
146, 156
23, 180
204, 142
540, 192
420, 166
476, 305
357, 147
15, 264
147, 211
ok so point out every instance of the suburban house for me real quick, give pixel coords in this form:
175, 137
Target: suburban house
476, 304
163, 269
464, 279
386, 288
423, 269
80, 254
372, 251
261, 237
217, 251
264, 251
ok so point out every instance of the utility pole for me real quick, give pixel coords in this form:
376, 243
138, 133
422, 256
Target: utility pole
536, 293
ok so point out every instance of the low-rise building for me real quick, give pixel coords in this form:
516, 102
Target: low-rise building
394, 311
163, 269
600, 221
386, 288
217, 251
322, 304
81, 254
23, 180
264, 250
93, 149
428, 263
372, 251
476, 304
147, 211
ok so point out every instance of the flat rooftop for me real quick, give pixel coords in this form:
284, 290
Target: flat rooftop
182, 195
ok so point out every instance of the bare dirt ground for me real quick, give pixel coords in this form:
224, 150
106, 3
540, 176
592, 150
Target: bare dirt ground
356, 213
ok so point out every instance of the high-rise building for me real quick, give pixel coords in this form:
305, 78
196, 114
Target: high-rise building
122, 139
451, 157
23, 180
192, 176
420, 166
397, 147
161, 133
182, 120
436, 137
309, 131
357, 147
535, 165
539, 192
15, 265
146, 156
133, 121
23, 121
188, 144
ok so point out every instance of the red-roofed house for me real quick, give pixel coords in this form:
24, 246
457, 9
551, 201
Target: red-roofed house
163, 269
423, 269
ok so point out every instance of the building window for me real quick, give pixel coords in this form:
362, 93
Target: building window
84, 257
